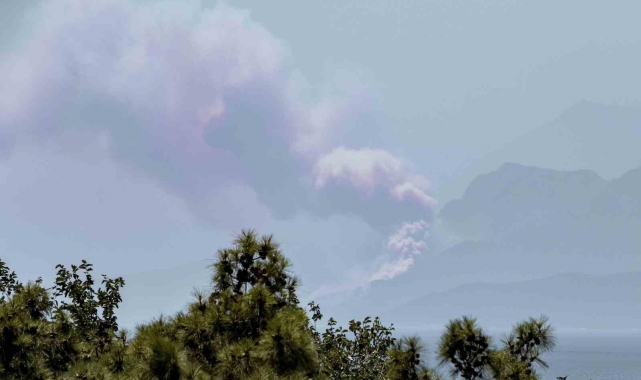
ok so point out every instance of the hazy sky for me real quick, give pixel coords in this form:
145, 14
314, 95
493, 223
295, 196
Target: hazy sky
142, 135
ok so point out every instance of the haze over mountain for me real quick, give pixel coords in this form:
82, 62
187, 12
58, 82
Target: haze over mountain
547, 209
571, 300
521, 222
142, 135
495, 241
516, 223
587, 136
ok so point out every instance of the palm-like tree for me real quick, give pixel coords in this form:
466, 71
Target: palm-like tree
249, 326
162, 361
505, 366
287, 346
529, 340
23, 333
155, 352
406, 361
466, 347
251, 262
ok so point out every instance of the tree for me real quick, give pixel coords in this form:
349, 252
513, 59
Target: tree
523, 348
466, 347
42, 338
249, 325
23, 333
8, 282
530, 339
406, 361
254, 262
505, 366
364, 356
93, 312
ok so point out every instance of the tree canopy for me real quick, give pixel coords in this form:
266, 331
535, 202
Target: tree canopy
249, 325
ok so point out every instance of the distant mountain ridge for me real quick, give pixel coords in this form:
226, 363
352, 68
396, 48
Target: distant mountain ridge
545, 215
545, 208
520, 223
588, 135
571, 300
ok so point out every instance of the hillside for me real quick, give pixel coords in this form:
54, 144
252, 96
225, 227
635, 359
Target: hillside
521, 223
549, 209
514, 224
588, 135
570, 300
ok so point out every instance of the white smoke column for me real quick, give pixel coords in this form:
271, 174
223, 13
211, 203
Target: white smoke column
187, 99
366, 169
407, 243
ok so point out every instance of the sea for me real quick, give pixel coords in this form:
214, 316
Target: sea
579, 354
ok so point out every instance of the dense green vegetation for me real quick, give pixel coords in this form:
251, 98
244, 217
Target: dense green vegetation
250, 326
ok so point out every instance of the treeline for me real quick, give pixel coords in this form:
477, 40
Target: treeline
249, 326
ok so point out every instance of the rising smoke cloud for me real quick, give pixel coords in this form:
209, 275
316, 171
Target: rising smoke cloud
407, 244
204, 103
368, 169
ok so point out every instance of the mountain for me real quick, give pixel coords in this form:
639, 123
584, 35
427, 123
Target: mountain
571, 300
588, 135
474, 262
520, 223
549, 209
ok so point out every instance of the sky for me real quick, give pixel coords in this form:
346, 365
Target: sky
142, 135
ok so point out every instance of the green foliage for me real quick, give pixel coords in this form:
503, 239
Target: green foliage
468, 350
24, 332
522, 349
249, 326
286, 346
162, 359
95, 327
505, 366
406, 361
368, 352
253, 262
466, 347
8, 282
530, 339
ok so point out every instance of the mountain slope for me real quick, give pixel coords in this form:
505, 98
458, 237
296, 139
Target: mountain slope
570, 300
545, 209
588, 135
519, 223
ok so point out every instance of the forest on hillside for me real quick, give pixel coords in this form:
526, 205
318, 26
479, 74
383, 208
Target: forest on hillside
250, 325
